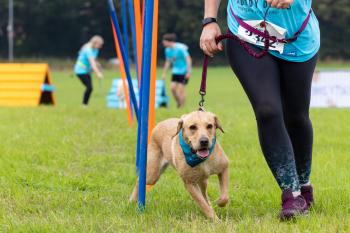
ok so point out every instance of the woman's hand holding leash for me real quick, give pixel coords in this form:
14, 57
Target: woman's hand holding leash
207, 41
280, 3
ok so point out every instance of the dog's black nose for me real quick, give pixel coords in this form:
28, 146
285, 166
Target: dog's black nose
204, 141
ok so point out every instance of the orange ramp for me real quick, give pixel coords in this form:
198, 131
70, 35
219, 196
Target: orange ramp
25, 85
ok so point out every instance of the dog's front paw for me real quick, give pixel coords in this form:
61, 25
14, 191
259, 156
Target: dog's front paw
217, 219
213, 217
222, 202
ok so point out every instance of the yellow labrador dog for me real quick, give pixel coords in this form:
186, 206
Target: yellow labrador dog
189, 144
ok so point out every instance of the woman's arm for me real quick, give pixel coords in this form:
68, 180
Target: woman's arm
189, 65
210, 31
165, 68
211, 8
95, 67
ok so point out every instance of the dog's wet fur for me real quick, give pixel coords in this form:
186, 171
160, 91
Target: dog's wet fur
198, 130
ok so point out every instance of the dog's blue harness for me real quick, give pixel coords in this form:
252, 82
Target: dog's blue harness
193, 159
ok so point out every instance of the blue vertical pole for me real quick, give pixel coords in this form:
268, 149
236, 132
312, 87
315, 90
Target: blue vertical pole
125, 28
138, 143
125, 34
133, 33
145, 89
115, 24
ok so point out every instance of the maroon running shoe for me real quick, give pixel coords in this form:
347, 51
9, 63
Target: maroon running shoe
292, 206
307, 192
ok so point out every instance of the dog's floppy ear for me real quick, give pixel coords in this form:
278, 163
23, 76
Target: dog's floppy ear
179, 127
218, 124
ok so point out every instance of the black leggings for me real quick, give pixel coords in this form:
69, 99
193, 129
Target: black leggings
86, 80
279, 92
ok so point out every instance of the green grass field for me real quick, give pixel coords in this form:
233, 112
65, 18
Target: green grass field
71, 169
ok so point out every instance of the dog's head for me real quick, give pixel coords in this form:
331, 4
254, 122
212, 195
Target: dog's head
199, 130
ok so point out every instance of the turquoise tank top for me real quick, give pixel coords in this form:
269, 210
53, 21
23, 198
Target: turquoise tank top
82, 65
291, 19
177, 56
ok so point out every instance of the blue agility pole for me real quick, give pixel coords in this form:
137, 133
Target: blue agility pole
133, 36
144, 105
115, 24
125, 28
133, 33
125, 35
138, 143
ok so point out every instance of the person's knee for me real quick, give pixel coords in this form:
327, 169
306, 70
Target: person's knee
297, 120
173, 88
89, 89
267, 112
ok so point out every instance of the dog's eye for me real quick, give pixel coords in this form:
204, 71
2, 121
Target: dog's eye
210, 126
193, 127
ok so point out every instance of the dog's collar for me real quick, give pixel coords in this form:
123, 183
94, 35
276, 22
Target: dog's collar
193, 159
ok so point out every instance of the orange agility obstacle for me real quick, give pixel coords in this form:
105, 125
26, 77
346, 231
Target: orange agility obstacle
25, 85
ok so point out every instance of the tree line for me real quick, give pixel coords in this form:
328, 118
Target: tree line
58, 28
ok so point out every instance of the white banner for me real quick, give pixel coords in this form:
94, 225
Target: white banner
331, 89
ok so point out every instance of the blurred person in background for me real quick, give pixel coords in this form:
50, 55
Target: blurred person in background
86, 63
177, 56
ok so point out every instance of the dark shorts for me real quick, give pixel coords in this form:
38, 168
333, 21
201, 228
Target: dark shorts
179, 79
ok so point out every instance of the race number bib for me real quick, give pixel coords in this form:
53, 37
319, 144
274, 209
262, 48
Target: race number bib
273, 30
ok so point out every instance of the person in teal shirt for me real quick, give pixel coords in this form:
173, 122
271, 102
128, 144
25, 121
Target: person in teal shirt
86, 63
307, 44
177, 56
278, 85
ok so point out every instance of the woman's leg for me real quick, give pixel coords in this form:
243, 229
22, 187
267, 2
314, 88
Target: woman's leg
174, 86
182, 94
260, 79
86, 80
296, 91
